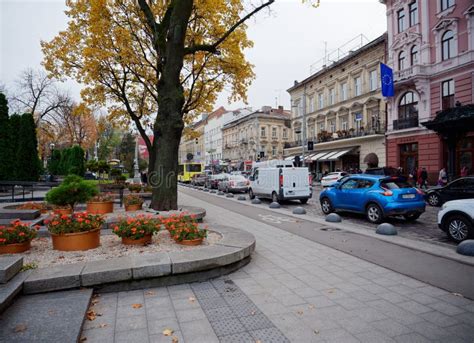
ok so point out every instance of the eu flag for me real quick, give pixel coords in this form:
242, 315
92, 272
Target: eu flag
386, 76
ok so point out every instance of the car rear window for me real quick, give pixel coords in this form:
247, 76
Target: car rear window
394, 184
238, 178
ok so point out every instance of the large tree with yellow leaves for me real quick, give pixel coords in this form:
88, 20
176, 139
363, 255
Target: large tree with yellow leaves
156, 63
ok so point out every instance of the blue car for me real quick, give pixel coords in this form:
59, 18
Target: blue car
377, 196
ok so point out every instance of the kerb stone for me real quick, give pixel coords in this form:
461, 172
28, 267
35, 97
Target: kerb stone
9, 267
54, 278
105, 271
149, 266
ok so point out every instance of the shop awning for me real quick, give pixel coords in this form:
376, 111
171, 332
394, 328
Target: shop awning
291, 158
331, 155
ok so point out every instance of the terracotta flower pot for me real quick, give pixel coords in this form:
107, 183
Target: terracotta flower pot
76, 241
197, 241
135, 207
63, 211
94, 207
141, 241
15, 248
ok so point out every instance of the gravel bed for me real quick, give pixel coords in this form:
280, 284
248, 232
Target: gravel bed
43, 255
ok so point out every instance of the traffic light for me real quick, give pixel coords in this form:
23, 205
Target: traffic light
310, 146
196, 140
262, 154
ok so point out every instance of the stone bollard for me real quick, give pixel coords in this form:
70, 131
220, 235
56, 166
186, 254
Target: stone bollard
256, 201
386, 229
220, 193
212, 191
206, 190
333, 218
299, 210
242, 197
466, 247
229, 195
274, 205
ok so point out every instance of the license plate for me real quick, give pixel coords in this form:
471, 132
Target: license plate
408, 196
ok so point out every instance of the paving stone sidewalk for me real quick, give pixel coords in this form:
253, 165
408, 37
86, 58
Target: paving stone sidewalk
293, 290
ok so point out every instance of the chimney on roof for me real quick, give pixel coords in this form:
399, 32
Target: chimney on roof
280, 109
266, 109
296, 82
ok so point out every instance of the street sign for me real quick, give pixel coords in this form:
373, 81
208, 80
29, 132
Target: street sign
358, 116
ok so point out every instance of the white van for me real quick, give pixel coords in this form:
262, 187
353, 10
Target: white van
282, 183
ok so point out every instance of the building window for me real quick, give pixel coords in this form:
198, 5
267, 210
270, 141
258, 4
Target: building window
320, 100
447, 45
274, 150
447, 94
401, 60
414, 55
332, 126
373, 80
331, 96
413, 10
344, 91
321, 127
344, 126
311, 132
445, 4
274, 132
401, 20
311, 104
285, 133
262, 132
408, 107
296, 108
357, 86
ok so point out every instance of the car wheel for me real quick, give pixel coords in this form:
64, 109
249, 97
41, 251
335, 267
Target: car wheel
458, 227
412, 216
326, 206
374, 213
434, 199
274, 197
251, 195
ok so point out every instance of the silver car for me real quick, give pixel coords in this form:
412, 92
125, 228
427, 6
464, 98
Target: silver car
234, 183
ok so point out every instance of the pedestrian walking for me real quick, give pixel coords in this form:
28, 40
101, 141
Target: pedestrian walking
442, 177
424, 178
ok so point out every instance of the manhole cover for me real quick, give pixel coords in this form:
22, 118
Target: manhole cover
330, 229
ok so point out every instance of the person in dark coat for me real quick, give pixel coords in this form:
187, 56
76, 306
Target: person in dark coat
424, 178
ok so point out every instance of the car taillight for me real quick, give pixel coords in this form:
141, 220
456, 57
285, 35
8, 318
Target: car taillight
281, 180
419, 191
310, 179
387, 192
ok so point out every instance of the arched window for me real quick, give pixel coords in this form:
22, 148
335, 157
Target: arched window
401, 60
414, 55
408, 106
447, 45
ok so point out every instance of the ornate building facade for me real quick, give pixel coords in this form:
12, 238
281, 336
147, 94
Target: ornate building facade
341, 110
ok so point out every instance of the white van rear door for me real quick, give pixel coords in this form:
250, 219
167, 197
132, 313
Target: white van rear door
295, 182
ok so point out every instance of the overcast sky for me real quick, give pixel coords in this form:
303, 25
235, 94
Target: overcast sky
287, 41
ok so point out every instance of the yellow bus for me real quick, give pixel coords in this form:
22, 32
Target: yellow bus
188, 169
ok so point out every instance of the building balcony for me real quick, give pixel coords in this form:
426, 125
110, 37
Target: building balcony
405, 123
410, 72
243, 141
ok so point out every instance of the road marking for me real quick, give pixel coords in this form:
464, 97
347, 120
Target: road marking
276, 220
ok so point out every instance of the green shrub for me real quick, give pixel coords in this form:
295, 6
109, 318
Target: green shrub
71, 191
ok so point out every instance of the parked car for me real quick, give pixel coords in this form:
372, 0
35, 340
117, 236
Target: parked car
234, 183
462, 188
331, 178
456, 218
377, 196
213, 181
387, 171
199, 179
280, 183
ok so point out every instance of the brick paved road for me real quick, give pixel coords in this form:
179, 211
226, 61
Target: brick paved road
425, 228
293, 289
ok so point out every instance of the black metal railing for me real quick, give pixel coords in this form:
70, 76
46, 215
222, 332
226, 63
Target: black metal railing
405, 123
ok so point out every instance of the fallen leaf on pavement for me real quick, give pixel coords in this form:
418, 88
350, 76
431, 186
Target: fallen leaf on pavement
150, 293
192, 299
91, 315
102, 325
174, 339
137, 305
300, 312
316, 332
311, 307
83, 339
168, 332
332, 290
458, 295
20, 328
253, 313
